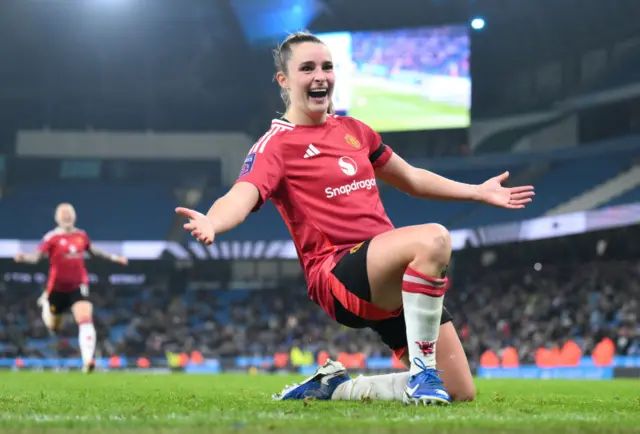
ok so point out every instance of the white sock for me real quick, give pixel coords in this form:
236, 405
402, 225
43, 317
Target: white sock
87, 340
389, 387
422, 299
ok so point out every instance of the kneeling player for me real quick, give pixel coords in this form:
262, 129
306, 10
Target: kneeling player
68, 284
320, 171
349, 282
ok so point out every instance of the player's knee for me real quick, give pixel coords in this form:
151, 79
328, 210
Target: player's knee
465, 394
83, 312
434, 243
83, 319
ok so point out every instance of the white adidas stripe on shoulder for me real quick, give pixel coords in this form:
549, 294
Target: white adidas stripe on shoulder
282, 123
52, 233
261, 144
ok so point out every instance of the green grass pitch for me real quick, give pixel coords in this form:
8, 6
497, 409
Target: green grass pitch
390, 111
33, 402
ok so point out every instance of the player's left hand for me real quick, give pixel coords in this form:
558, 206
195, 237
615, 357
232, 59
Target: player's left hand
493, 193
122, 260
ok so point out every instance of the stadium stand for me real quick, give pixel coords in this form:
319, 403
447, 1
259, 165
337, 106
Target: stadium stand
583, 303
565, 179
95, 202
121, 191
621, 74
632, 196
570, 174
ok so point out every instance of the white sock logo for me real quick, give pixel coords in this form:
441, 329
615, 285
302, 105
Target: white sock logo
426, 347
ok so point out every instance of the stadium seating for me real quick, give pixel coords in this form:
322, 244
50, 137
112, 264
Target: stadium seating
125, 202
632, 196
134, 212
232, 323
623, 74
564, 180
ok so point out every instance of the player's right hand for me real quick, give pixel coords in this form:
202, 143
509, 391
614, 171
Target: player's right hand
199, 225
19, 257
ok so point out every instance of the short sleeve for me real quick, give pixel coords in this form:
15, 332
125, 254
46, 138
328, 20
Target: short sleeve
263, 167
45, 244
87, 241
379, 153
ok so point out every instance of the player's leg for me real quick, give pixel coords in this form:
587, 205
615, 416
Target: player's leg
386, 387
50, 312
407, 268
452, 361
371, 286
82, 310
450, 358
389, 387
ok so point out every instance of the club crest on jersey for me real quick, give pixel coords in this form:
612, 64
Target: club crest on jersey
247, 165
352, 141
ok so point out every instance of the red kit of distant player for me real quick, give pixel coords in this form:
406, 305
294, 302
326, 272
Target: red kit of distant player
66, 252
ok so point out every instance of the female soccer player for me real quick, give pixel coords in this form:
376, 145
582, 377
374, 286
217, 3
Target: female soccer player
320, 171
68, 283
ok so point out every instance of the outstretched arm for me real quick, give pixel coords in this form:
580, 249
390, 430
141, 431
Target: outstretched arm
99, 253
231, 209
428, 185
29, 258
225, 214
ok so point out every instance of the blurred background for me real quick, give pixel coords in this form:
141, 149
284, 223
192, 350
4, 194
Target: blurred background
128, 108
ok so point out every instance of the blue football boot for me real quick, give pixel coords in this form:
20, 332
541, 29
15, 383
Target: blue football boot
320, 385
425, 387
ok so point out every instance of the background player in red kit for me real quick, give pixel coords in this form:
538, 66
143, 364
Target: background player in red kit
68, 284
320, 171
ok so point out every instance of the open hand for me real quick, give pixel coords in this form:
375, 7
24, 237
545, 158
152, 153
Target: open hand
493, 193
199, 225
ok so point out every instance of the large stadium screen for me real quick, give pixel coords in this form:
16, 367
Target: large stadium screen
402, 80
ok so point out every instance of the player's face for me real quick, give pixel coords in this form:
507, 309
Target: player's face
311, 78
65, 217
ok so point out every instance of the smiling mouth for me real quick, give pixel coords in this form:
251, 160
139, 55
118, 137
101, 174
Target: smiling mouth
318, 94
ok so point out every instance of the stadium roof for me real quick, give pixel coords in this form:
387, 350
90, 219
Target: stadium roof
199, 54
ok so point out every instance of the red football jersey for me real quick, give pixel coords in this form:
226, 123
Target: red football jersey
321, 179
66, 253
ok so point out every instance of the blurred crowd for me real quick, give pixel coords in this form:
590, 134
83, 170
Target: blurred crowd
522, 308
441, 51
528, 309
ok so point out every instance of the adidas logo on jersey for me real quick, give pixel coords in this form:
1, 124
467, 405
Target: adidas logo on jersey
312, 151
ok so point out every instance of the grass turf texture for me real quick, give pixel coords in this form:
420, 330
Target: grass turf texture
33, 402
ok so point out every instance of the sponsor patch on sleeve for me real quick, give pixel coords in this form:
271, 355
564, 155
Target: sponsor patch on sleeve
247, 165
